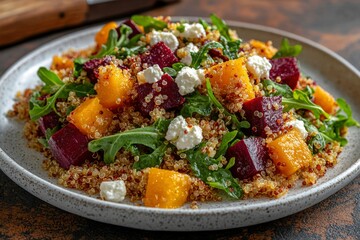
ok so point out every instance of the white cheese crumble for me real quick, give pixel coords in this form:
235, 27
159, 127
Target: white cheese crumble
113, 191
185, 53
151, 74
188, 79
299, 125
183, 136
168, 38
259, 66
194, 30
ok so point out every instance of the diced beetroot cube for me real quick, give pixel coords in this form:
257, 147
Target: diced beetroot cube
91, 67
264, 115
135, 29
50, 120
159, 54
217, 53
163, 93
287, 69
69, 146
250, 157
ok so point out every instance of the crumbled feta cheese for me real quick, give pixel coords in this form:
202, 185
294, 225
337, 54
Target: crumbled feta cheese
195, 30
168, 38
183, 136
113, 191
185, 53
299, 125
188, 79
259, 66
151, 74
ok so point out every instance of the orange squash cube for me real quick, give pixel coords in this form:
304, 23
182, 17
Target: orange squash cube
230, 75
289, 152
263, 49
166, 189
60, 62
114, 86
91, 118
324, 100
102, 36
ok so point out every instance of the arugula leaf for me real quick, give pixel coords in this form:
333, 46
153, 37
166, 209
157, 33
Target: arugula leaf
178, 66
181, 28
149, 22
201, 55
231, 48
221, 26
172, 72
298, 99
151, 160
234, 119
203, 23
78, 65
225, 142
58, 89
48, 133
151, 137
220, 178
109, 47
231, 163
286, 50
345, 108
196, 103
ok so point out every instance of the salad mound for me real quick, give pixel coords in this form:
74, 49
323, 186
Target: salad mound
166, 113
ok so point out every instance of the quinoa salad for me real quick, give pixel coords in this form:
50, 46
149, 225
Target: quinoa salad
166, 113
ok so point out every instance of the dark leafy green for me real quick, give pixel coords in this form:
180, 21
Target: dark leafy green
298, 99
78, 65
226, 142
202, 54
151, 160
172, 72
48, 133
181, 28
219, 178
231, 48
203, 23
109, 47
239, 125
149, 22
286, 50
221, 26
196, 103
151, 137
55, 89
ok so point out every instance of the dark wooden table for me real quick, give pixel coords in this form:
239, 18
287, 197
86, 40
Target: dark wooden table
334, 24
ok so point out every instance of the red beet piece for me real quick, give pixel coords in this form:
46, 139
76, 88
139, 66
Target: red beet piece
264, 114
69, 146
159, 54
50, 120
91, 67
250, 157
135, 29
165, 88
217, 53
287, 69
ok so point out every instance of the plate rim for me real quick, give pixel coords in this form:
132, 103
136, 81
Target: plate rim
335, 183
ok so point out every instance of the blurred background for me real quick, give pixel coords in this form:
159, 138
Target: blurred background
28, 24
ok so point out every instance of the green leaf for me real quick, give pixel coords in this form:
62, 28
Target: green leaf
231, 163
203, 23
220, 178
181, 28
78, 65
345, 108
109, 47
286, 50
221, 26
48, 133
51, 80
172, 72
178, 66
239, 125
275, 89
81, 90
151, 160
151, 136
149, 22
196, 103
201, 55
231, 48
225, 142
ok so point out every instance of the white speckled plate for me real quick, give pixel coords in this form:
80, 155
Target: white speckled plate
23, 165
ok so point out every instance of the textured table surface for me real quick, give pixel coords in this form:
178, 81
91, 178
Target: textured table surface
334, 24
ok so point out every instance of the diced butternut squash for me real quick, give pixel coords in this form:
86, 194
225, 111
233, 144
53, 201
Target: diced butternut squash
289, 152
231, 75
324, 100
60, 62
91, 118
114, 86
263, 49
166, 189
102, 36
